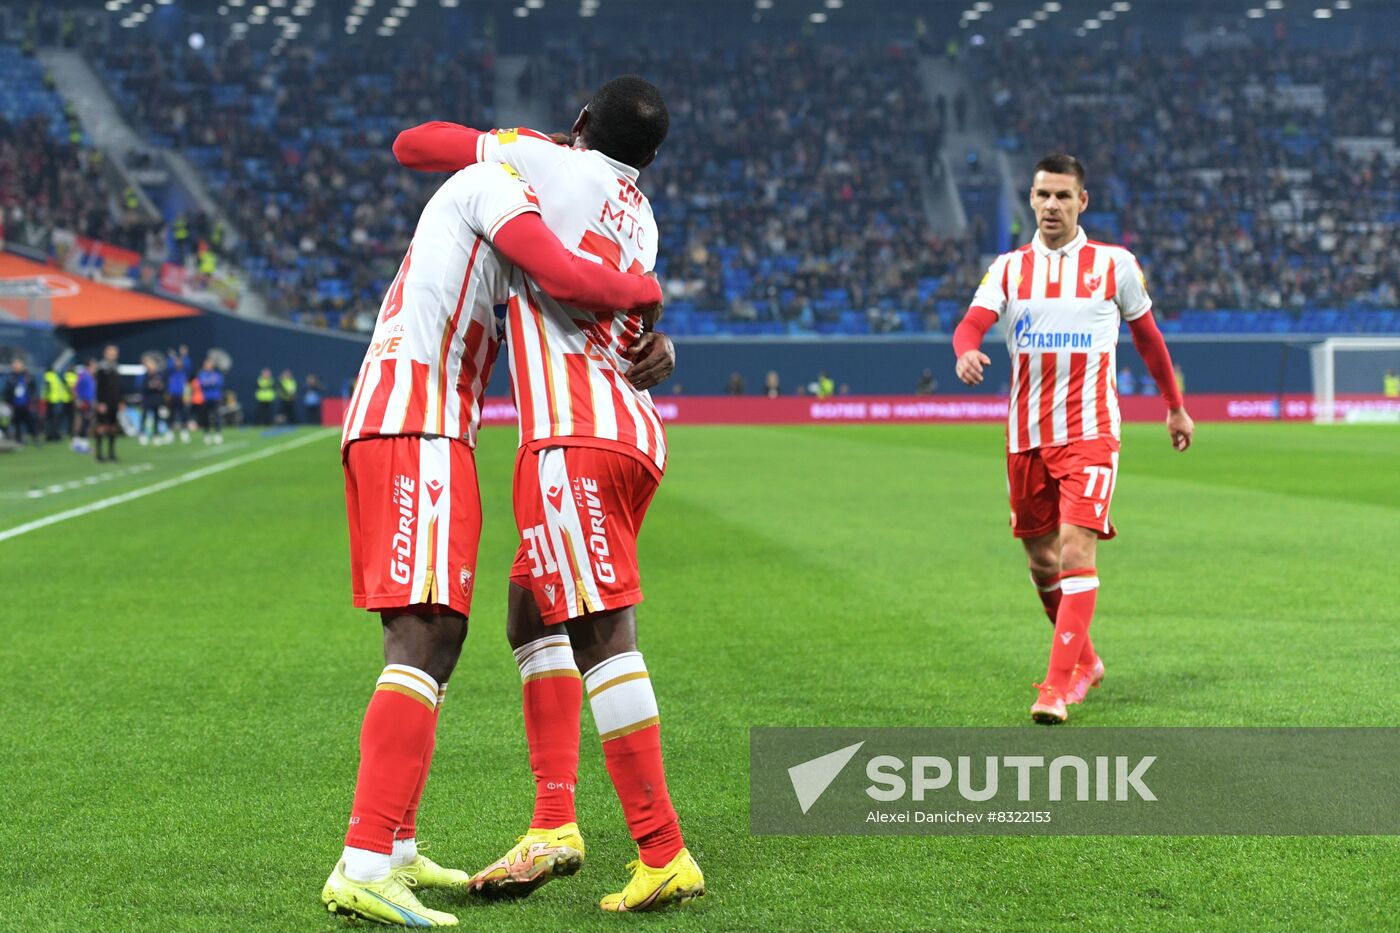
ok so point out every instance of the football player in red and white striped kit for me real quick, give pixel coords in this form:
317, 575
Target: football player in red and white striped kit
413, 504
592, 453
1061, 298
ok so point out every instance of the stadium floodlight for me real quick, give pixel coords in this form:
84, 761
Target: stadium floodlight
260, 10
1040, 16
1092, 24
165, 2
1052, 7
1273, 4
835, 4
1026, 24
521, 12
223, 10
535, 4
390, 21
1014, 32
1107, 16
399, 11
1255, 13
385, 31
277, 3
817, 17
196, 40
1122, 6
113, 5
589, 11
1342, 5
349, 30
1322, 13
983, 6
354, 19
448, 3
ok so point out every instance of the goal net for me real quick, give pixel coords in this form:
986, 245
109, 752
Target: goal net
1353, 378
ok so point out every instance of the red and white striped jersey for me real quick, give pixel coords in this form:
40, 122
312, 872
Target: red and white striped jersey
1061, 309
567, 368
437, 335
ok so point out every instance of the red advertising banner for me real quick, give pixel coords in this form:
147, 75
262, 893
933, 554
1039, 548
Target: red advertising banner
933, 409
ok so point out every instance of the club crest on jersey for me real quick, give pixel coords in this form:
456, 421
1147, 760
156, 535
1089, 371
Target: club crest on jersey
1093, 281
464, 580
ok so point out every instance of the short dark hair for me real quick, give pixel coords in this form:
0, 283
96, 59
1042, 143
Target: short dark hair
627, 120
1061, 163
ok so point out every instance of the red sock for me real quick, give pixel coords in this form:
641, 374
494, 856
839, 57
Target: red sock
552, 707
624, 708
394, 742
1048, 589
634, 762
1050, 592
1081, 588
408, 827
552, 695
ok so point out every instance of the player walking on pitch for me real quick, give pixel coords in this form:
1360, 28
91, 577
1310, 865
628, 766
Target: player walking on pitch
1062, 296
592, 454
413, 503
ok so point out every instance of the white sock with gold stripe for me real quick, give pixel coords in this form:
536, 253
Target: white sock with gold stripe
620, 694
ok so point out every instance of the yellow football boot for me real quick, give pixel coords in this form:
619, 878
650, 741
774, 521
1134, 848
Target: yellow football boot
389, 901
680, 882
429, 874
539, 855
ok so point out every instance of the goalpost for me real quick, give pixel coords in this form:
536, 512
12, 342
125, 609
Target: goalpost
1343, 366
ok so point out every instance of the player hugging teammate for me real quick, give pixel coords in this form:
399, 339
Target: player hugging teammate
592, 451
1061, 298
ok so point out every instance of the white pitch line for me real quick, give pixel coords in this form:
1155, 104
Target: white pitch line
163, 485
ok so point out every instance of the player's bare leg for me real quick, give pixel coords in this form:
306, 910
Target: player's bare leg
381, 863
552, 699
625, 711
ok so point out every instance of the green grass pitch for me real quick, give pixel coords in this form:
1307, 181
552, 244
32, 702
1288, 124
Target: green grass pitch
186, 678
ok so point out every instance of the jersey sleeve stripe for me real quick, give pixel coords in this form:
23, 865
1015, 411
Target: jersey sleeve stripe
508, 216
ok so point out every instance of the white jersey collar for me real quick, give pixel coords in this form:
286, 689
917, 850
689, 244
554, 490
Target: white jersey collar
1068, 249
621, 167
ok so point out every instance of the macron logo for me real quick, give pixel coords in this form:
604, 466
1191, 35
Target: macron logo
811, 778
1067, 637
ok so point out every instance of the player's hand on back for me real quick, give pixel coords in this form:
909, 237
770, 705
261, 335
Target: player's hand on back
970, 366
653, 359
1180, 427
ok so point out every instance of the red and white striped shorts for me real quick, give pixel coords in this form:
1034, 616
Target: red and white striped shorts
579, 510
415, 522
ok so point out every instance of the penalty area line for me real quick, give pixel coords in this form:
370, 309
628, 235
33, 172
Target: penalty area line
161, 486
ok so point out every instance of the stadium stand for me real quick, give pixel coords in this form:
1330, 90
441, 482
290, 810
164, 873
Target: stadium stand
1243, 181
298, 148
790, 192
48, 177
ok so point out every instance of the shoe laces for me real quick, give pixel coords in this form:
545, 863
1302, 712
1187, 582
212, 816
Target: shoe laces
1049, 688
634, 866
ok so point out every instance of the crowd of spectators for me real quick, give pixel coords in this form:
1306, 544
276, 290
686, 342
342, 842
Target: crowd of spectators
791, 187
1235, 177
297, 148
